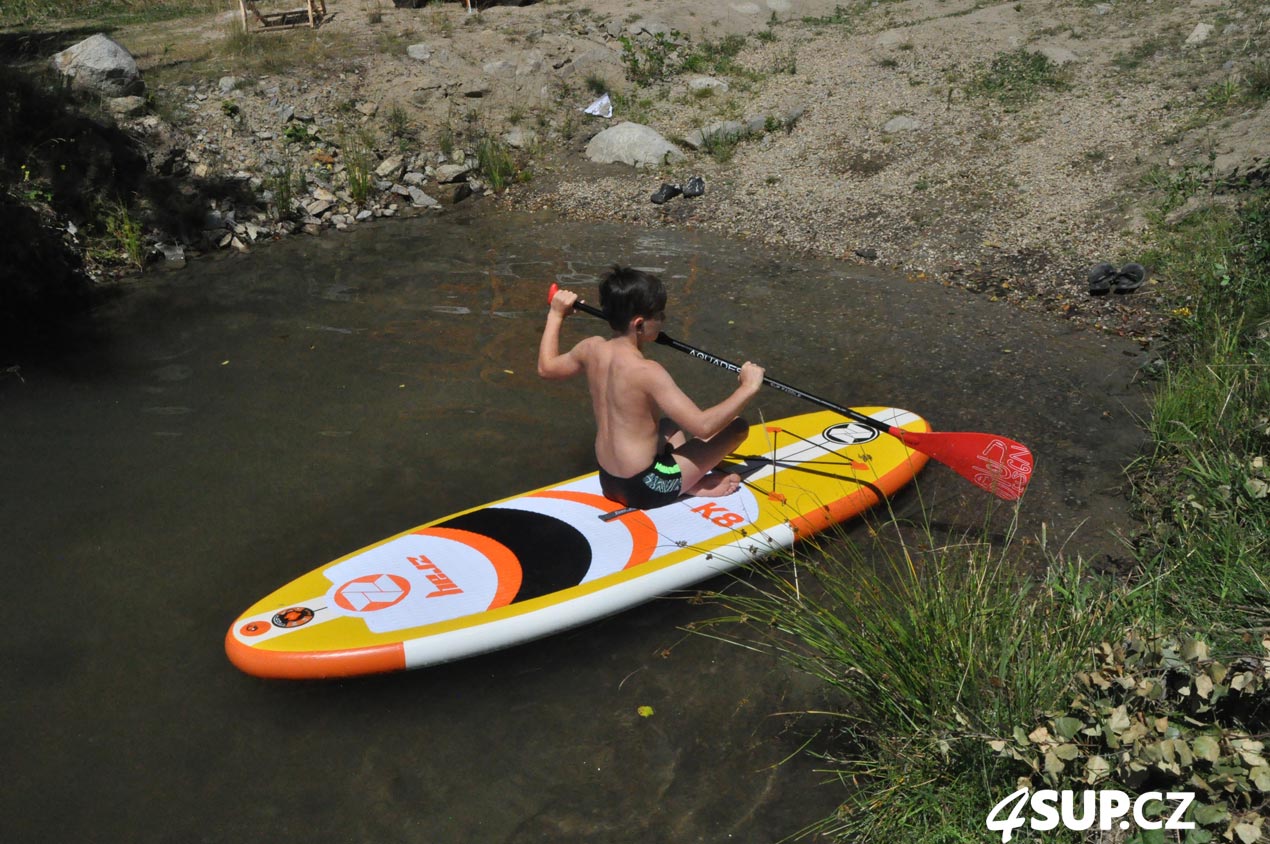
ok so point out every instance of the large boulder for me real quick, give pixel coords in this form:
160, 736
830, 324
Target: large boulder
633, 144
100, 64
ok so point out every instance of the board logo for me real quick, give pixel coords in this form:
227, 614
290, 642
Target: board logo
293, 617
850, 433
372, 592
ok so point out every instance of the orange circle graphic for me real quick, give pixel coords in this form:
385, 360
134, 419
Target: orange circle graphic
372, 592
255, 628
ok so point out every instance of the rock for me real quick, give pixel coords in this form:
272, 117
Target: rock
530, 64
499, 67
228, 84
867, 253
318, 207
172, 255
1057, 55
127, 106
448, 173
100, 64
902, 123
707, 83
716, 132
391, 167
649, 29
519, 137
421, 200
1199, 34
368, 109
633, 144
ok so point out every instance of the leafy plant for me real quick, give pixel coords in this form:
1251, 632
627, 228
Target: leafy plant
1257, 82
1018, 77
721, 146
496, 164
715, 56
124, 231
358, 153
648, 63
1158, 714
281, 184
32, 190
841, 17
298, 133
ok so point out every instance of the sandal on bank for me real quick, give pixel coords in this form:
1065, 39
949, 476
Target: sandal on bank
1100, 278
1130, 278
666, 191
695, 186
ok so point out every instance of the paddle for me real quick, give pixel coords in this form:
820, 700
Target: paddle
999, 465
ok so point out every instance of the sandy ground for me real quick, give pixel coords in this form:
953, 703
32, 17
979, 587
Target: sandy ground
1015, 200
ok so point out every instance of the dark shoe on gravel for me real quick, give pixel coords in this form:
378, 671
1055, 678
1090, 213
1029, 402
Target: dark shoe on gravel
1130, 278
695, 186
1100, 278
666, 191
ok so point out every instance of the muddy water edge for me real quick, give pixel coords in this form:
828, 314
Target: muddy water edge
231, 426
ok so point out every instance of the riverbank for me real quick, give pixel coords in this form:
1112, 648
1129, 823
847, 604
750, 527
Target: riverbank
1002, 148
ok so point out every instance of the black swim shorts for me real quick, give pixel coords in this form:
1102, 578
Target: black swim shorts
658, 485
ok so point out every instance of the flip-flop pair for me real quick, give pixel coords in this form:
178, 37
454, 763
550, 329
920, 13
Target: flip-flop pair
1105, 278
695, 186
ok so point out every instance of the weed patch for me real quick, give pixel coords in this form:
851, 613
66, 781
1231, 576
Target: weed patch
1017, 78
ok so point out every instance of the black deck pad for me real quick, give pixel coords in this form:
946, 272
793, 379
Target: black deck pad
553, 554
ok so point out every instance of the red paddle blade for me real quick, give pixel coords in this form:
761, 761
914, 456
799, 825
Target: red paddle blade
1001, 466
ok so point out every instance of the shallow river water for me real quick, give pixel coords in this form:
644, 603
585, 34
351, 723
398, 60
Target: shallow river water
245, 420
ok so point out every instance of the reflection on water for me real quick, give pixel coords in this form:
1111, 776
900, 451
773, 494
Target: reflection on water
253, 417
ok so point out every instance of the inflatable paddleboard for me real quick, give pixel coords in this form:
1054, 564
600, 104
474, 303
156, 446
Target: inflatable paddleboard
564, 555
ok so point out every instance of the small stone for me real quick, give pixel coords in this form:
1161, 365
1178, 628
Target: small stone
1199, 34
902, 123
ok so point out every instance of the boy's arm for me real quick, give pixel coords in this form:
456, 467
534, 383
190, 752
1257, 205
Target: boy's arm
694, 421
551, 364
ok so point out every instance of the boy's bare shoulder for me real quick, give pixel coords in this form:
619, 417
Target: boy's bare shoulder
588, 346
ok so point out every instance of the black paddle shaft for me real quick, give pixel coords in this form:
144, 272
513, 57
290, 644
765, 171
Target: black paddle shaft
700, 354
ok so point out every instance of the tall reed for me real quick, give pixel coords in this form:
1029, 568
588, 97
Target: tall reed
925, 652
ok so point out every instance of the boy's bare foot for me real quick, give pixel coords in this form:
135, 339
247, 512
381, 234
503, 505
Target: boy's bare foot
716, 484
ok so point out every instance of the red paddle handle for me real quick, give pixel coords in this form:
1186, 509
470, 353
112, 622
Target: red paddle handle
577, 306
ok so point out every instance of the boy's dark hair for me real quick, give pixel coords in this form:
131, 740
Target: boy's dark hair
626, 293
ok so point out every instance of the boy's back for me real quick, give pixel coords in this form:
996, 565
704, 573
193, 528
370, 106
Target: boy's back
643, 458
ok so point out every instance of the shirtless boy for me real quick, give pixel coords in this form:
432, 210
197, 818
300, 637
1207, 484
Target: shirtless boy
645, 462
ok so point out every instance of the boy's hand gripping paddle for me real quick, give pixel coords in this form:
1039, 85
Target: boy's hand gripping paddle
999, 465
